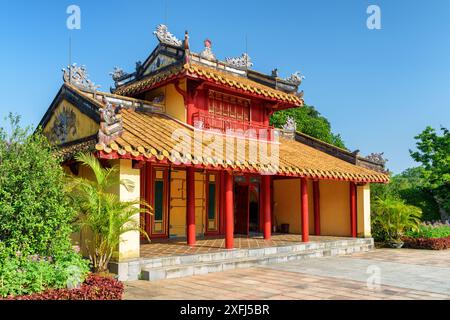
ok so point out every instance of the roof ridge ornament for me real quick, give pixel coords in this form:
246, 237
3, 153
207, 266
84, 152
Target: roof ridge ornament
187, 51
117, 74
290, 125
164, 36
110, 122
289, 128
78, 76
243, 61
207, 52
377, 158
295, 78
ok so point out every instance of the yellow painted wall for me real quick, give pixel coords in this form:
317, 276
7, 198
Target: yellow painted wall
85, 126
287, 204
129, 247
334, 208
200, 202
174, 102
177, 213
81, 238
177, 220
130, 242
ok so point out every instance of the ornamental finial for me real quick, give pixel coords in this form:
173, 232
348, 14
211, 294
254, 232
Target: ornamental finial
290, 125
377, 158
186, 40
207, 52
117, 74
295, 78
110, 122
243, 61
78, 76
164, 36
187, 53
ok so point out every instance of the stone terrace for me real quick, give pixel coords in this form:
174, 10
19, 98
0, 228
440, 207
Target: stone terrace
175, 247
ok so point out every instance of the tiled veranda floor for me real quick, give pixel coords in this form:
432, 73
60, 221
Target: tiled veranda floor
171, 247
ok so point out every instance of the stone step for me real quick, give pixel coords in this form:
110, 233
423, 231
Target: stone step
249, 253
199, 268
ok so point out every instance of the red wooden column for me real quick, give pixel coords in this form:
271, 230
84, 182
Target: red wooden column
304, 209
316, 196
190, 112
229, 214
353, 209
190, 206
261, 209
267, 208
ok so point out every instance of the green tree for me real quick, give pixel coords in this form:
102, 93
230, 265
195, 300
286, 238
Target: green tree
433, 152
310, 122
35, 216
102, 214
410, 186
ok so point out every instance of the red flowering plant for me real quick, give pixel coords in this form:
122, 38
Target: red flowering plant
435, 236
95, 287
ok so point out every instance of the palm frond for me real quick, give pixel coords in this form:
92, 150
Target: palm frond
101, 213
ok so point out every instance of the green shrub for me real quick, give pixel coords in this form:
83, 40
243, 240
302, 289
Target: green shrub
392, 218
26, 275
430, 232
35, 215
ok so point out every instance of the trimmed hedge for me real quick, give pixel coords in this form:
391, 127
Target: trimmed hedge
436, 230
94, 288
427, 243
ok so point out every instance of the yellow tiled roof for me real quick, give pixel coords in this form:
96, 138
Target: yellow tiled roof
241, 83
149, 136
212, 75
68, 151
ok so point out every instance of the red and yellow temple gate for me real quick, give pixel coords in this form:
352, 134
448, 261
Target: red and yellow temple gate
192, 132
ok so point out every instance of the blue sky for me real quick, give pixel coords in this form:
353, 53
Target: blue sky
378, 88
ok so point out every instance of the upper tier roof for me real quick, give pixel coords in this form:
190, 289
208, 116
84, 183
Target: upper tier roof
198, 71
172, 58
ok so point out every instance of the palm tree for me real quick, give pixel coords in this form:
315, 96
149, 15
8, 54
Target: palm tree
393, 217
102, 214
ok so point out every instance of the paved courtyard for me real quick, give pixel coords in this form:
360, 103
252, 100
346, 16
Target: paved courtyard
380, 274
